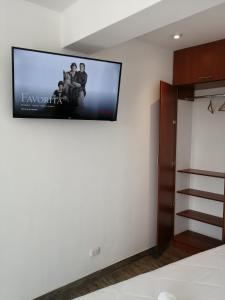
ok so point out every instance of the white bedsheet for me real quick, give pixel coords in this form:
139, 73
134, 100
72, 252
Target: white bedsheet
199, 277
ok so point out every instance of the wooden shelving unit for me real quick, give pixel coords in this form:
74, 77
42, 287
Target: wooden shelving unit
203, 173
201, 217
191, 241
190, 73
194, 242
202, 194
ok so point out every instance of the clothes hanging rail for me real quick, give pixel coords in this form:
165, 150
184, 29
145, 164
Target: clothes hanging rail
204, 97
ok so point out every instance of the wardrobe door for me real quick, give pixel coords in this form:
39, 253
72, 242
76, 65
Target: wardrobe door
182, 66
218, 65
166, 163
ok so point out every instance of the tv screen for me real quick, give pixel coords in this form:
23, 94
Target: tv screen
49, 85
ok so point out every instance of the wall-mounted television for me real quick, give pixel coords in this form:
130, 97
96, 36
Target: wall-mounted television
58, 86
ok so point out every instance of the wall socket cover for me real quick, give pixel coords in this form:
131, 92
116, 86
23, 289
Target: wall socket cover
95, 251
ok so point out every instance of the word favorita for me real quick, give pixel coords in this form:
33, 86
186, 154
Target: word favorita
42, 99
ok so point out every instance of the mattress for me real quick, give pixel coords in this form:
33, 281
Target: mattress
199, 277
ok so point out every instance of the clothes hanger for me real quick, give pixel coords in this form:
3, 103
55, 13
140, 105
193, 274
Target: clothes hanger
210, 107
222, 107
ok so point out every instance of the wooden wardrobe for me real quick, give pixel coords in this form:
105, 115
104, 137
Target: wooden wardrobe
199, 66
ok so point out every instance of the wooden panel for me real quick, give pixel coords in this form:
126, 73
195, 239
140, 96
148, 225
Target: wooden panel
166, 163
202, 194
182, 67
201, 217
218, 60
203, 173
186, 92
201, 64
194, 242
198, 64
223, 237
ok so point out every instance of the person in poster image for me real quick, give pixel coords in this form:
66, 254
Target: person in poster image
60, 101
74, 85
59, 95
82, 79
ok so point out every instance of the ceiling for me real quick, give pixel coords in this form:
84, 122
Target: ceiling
57, 5
200, 28
160, 21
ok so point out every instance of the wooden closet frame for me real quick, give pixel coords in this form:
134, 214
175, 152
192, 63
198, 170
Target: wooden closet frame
189, 241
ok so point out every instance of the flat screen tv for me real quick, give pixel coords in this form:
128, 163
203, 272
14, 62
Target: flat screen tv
50, 85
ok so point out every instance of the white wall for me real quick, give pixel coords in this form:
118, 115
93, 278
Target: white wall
183, 160
68, 186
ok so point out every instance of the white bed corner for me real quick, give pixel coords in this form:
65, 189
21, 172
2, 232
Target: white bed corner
199, 277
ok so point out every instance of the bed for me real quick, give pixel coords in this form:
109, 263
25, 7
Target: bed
199, 277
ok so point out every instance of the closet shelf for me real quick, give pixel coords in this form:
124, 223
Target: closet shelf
203, 173
202, 194
194, 242
201, 217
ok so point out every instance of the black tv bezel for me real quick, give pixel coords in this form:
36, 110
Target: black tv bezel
61, 117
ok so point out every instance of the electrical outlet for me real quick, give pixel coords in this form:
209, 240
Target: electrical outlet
95, 251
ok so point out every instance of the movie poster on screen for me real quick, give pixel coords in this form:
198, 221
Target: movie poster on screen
48, 85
